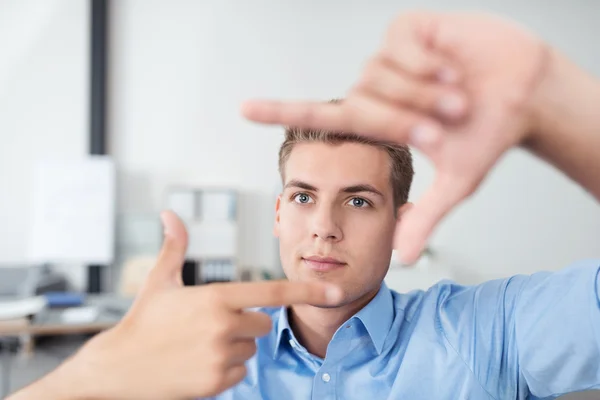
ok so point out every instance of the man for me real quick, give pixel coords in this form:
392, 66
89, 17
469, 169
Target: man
463, 89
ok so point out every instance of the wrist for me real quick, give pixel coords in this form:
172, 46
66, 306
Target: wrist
94, 369
560, 100
543, 100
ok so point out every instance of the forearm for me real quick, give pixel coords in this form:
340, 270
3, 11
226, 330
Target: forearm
66, 382
87, 375
566, 128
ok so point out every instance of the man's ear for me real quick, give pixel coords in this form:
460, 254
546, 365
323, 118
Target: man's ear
277, 210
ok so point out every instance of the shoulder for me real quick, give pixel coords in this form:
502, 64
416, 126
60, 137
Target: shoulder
505, 292
456, 305
452, 298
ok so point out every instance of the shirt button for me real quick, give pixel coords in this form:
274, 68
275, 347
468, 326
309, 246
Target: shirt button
326, 378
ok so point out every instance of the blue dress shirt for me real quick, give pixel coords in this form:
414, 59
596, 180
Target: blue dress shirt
525, 337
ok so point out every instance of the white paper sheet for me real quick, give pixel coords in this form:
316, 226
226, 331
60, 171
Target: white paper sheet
74, 211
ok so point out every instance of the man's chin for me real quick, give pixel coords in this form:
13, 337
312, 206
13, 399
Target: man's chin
325, 277
329, 306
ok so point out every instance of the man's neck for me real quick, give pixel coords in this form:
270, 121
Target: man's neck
314, 326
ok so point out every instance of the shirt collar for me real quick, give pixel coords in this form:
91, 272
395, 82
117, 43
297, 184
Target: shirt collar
283, 330
377, 317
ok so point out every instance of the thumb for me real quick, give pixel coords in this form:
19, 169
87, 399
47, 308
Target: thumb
415, 227
167, 271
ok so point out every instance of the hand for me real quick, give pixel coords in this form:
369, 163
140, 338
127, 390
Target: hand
185, 342
458, 87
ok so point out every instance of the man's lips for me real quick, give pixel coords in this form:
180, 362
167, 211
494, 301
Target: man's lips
323, 263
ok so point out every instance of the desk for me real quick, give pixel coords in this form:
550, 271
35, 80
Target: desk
53, 329
111, 309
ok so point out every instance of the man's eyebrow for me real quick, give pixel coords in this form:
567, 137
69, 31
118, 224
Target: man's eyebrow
301, 185
349, 189
362, 188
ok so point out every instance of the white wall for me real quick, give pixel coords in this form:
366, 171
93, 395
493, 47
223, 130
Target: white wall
43, 104
181, 69
179, 72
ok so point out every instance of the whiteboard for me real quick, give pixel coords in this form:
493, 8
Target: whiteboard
74, 211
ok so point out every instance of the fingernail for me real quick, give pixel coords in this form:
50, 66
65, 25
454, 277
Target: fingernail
406, 264
333, 294
398, 258
447, 75
424, 134
163, 219
451, 105
409, 258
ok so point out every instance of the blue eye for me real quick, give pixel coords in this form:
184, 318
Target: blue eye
302, 198
358, 202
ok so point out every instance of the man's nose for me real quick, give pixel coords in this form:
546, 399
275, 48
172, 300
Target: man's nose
326, 225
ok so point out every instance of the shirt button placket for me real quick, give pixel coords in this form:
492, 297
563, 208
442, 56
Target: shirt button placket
324, 385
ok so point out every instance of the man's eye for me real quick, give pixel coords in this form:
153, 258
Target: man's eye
302, 198
358, 202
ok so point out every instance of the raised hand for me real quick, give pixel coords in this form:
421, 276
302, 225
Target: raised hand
458, 87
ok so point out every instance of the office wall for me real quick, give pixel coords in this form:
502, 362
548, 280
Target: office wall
181, 69
43, 105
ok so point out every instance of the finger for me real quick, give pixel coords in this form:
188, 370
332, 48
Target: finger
390, 84
252, 324
241, 351
239, 296
234, 375
408, 45
360, 115
303, 114
416, 226
167, 271
382, 120
421, 62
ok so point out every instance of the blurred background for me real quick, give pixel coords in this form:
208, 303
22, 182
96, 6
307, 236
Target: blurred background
113, 111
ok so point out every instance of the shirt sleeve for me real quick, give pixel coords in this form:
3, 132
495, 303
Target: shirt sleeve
528, 335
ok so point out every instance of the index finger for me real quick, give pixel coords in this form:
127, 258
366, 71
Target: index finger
279, 293
301, 114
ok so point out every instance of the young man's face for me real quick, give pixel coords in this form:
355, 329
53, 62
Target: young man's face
335, 217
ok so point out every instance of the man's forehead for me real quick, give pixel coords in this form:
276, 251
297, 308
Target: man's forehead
336, 166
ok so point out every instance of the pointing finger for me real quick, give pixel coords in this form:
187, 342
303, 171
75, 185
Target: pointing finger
362, 115
303, 114
240, 296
